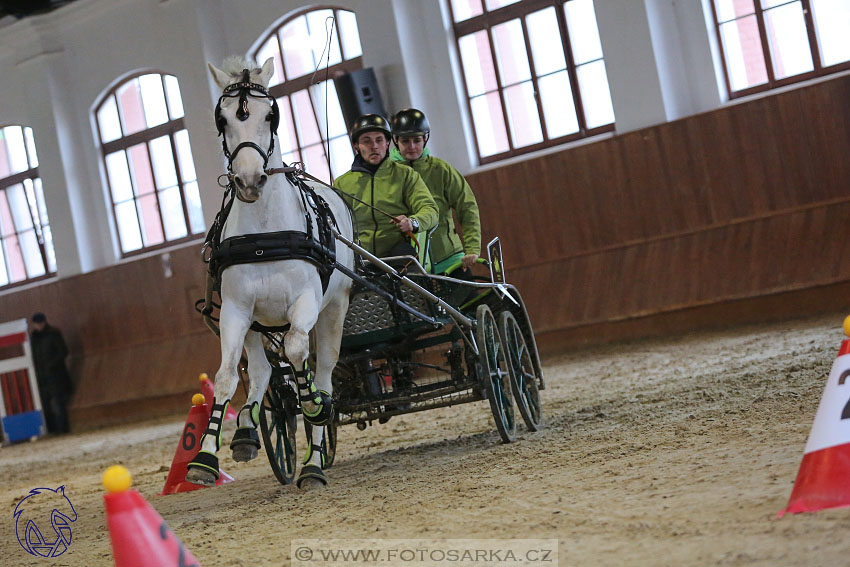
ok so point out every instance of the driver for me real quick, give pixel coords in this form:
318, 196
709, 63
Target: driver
387, 186
449, 189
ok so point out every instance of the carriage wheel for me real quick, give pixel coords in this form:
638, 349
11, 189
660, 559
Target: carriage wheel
523, 374
328, 443
495, 373
278, 425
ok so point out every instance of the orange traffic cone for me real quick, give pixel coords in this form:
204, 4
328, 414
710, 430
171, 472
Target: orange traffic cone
209, 393
188, 447
140, 537
822, 479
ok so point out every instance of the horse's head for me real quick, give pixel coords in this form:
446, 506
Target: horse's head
246, 117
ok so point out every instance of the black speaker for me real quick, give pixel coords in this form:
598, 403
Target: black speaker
358, 95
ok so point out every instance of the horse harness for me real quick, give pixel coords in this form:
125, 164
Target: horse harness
271, 246
243, 89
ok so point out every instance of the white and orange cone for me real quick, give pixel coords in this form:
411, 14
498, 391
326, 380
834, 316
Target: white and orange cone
822, 481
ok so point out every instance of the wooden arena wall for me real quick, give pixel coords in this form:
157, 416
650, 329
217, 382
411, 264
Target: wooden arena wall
736, 215
137, 345
740, 214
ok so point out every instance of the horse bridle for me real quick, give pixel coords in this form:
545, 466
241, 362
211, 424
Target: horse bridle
243, 90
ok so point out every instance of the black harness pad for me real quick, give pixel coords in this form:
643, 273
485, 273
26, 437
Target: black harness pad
271, 246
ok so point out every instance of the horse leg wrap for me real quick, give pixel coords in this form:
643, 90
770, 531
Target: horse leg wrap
205, 459
247, 434
311, 472
214, 425
322, 411
311, 448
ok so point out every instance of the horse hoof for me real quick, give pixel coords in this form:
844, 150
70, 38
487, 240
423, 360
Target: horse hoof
244, 453
309, 484
245, 444
200, 476
311, 478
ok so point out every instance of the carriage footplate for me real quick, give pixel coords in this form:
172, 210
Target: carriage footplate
316, 405
246, 442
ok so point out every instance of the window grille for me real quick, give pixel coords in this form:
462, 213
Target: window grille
152, 182
534, 73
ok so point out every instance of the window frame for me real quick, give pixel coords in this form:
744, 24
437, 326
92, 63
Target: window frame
485, 22
18, 178
289, 87
169, 128
773, 83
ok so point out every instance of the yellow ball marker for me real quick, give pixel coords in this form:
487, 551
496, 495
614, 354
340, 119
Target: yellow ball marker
198, 399
117, 479
203, 376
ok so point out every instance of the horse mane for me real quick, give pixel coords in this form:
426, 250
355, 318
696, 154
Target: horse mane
234, 65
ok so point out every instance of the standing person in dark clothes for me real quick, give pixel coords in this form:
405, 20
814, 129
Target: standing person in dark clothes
54, 381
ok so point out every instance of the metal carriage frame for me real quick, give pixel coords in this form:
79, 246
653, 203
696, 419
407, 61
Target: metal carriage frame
401, 318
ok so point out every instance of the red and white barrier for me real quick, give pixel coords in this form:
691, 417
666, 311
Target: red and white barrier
21, 416
822, 481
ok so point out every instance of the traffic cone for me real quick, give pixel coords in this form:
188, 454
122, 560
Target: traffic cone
209, 393
822, 481
188, 447
140, 537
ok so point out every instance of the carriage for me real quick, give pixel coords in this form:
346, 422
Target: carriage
338, 335
415, 341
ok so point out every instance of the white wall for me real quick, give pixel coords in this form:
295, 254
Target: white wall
54, 68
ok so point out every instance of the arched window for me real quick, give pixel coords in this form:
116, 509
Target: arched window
534, 73
311, 122
148, 161
26, 243
770, 43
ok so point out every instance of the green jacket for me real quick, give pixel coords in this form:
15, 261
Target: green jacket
394, 189
450, 191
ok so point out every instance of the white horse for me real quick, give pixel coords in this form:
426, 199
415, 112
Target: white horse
272, 293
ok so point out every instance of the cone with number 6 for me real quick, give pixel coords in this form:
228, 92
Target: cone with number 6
140, 537
188, 447
822, 481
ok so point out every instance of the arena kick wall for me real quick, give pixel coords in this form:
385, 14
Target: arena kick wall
736, 215
732, 216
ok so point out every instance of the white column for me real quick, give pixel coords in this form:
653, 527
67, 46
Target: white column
658, 54
427, 47
629, 59
56, 161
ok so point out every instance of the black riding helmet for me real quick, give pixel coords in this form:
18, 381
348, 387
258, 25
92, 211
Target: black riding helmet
370, 123
411, 122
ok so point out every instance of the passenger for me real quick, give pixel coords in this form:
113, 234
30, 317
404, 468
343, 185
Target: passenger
387, 186
450, 190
